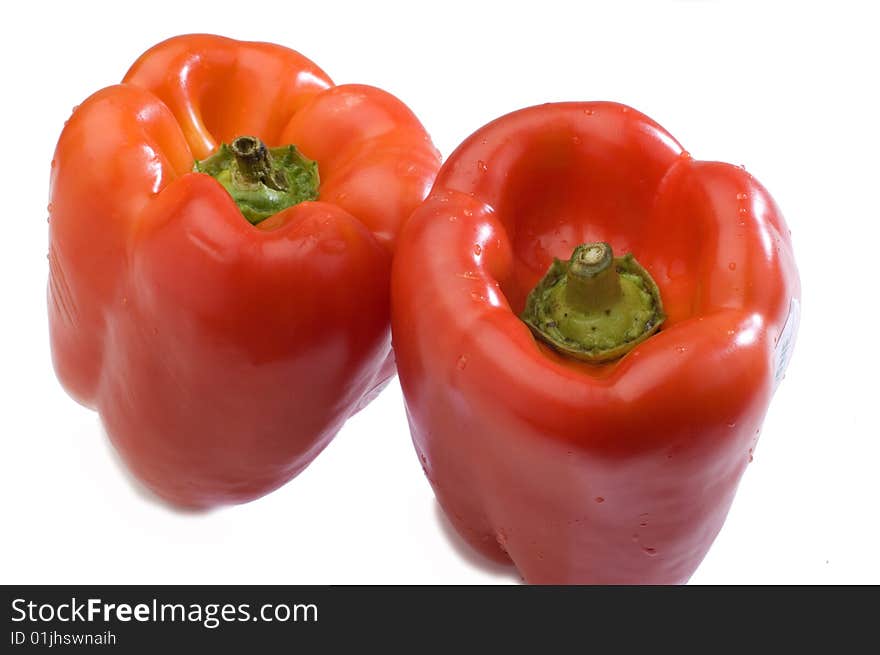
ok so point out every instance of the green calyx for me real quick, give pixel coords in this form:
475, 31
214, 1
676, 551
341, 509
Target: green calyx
594, 307
262, 180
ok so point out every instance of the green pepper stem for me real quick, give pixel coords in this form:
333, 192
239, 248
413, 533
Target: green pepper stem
592, 282
262, 181
594, 307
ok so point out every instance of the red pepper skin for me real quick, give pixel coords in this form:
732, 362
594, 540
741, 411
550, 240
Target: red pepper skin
224, 356
577, 473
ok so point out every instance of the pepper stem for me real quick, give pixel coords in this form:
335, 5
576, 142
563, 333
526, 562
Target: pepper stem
592, 283
255, 163
594, 307
262, 181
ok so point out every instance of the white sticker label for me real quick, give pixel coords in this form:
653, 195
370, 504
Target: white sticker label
785, 343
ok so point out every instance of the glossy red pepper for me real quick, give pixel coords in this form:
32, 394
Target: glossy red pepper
581, 472
224, 355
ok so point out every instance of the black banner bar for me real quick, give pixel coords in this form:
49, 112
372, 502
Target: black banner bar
333, 619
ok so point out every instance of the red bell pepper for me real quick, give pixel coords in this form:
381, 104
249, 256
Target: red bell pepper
226, 328
574, 417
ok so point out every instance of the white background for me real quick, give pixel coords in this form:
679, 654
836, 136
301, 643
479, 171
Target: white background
788, 89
